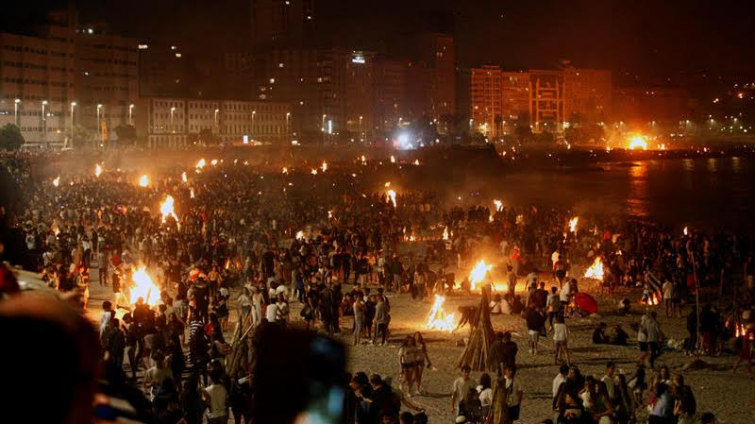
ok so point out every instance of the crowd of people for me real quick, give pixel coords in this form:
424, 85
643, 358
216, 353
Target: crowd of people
255, 245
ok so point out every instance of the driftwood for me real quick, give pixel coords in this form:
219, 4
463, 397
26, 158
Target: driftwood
239, 346
477, 351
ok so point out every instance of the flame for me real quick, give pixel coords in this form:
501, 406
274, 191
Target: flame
184, 178
386, 185
55, 229
214, 162
445, 233
285, 170
740, 330
144, 287
330, 214
685, 231
490, 218
392, 197
393, 159
573, 224
313, 171
56, 181
416, 162
638, 142
97, 171
201, 163
166, 209
478, 273
437, 319
299, 235
654, 299
596, 270
144, 181
324, 166
498, 205
191, 193
364, 161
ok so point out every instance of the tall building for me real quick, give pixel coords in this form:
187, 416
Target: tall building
486, 109
546, 100
390, 92
587, 95
281, 23
515, 99
419, 86
360, 95
163, 71
37, 84
107, 82
438, 53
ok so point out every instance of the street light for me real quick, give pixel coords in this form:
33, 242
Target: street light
99, 125
322, 124
15, 110
73, 106
44, 120
172, 111
254, 112
217, 127
361, 133
288, 117
130, 114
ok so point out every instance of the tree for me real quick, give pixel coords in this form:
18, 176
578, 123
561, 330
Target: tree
11, 137
125, 133
79, 136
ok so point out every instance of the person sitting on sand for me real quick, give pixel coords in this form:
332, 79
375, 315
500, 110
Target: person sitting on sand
619, 337
624, 306
599, 336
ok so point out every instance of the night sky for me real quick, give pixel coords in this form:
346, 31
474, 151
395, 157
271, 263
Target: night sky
647, 37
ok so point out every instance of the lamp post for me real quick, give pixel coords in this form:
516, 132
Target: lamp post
73, 106
322, 125
99, 125
217, 124
172, 112
15, 111
361, 132
254, 112
131, 114
288, 118
44, 120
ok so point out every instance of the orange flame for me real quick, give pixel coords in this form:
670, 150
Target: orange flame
498, 205
364, 161
324, 166
144, 181
313, 171
573, 224
445, 233
97, 171
478, 273
393, 159
144, 287
438, 319
285, 171
56, 181
184, 178
416, 162
166, 209
392, 197
596, 270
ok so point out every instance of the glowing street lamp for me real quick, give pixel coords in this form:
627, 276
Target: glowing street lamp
130, 114
44, 119
254, 112
288, 118
15, 110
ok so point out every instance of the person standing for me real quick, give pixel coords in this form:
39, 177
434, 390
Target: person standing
102, 268
461, 387
216, 397
654, 337
609, 379
685, 405
535, 325
560, 337
358, 306
382, 318
514, 389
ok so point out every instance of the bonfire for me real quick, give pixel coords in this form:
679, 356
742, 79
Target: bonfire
167, 209
573, 224
477, 275
144, 181
201, 163
97, 171
392, 197
184, 178
498, 205
596, 270
56, 181
438, 319
144, 287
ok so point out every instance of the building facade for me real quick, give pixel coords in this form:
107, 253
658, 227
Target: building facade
37, 84
107, 82
587, 95
546, 100
175, 122
485, 96
438, 53
390, 93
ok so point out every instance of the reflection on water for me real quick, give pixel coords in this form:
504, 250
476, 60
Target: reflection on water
709, 193
638, 190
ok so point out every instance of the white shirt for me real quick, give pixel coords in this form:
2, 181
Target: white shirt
486, 396
557, 383
565, 293
559, 332
610, 386
271, 312
555, 256
218, 401
514, 388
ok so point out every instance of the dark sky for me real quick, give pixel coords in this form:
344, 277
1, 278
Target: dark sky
649, 37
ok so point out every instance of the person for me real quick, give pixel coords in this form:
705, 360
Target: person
600, 406
668, 297
624, 401
461, 387
216, 397
599, 335
685, 406
382, 318
535, 325
509, 349
515, 394
154, 377
654, 337
485, 390
358, 308
560, 337
642, 339
708, 418
608, 379
406, 363
618, 337
380, 400
553, 305
470, 407
282, 310
499, 413
662, 411
495, 359
559, 379
421, 360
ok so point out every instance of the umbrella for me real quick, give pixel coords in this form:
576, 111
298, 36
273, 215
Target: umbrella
586, 303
